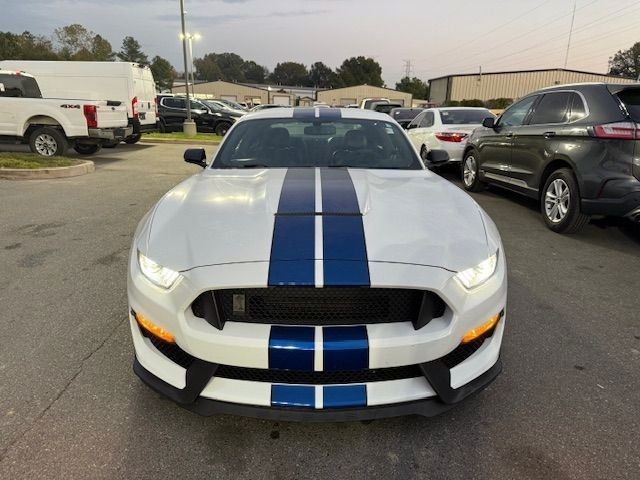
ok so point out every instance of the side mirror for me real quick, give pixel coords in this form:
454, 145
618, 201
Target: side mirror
411, 126
437, 156
197, 156
489, 122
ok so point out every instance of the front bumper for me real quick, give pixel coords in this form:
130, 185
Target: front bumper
189, 398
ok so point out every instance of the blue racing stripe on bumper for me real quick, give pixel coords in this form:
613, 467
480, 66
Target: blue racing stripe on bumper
345, 348
291, 348
293, 396
344, 396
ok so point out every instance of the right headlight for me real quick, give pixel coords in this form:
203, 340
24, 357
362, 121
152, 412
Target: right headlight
157, 274
476, 276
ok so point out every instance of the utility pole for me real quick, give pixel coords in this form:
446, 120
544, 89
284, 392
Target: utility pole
189, 126
573, 17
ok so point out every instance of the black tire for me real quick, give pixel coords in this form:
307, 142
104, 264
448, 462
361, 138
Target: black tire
471, 180
48, 142
222, 128
423, 154
133, 139
111, 144
561, 194
86, 148
162, 127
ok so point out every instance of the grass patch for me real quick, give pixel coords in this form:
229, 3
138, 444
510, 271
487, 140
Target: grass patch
181, 136
30, 161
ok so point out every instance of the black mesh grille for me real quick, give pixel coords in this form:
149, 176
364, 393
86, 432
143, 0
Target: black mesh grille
464, 351
170, 350
318, 378
321, 306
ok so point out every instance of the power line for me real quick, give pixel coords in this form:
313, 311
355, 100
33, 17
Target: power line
573, 18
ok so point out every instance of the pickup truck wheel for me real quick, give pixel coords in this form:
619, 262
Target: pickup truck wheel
222, 128
86, 148
132, 139
48, 141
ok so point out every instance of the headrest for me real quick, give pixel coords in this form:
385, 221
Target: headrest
277, 137
355, 139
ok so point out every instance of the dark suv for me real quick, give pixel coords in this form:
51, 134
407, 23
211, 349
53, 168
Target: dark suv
172, 112
575, 148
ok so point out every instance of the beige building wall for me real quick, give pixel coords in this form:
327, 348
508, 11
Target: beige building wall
348, 95
227, 90
509, 84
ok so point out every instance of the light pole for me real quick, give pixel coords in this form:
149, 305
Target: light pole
191, 37
189, 126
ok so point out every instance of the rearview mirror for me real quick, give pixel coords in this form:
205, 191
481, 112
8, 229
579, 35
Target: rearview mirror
197, 156
437, 156
489, 122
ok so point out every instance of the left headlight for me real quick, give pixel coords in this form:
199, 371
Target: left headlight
476, 276
157, 274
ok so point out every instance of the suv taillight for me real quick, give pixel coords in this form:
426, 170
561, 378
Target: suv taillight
90, 115
619, 131
451, 136
134, 107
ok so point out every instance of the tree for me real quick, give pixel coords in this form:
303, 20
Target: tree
321, 76
207, 68
360, 70
131, 51
253, 72
101, 50
290, 73
163, 73
414, 86
498, 103
74, 42
25, 46
626, 63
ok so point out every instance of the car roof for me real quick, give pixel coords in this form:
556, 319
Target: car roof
287, 112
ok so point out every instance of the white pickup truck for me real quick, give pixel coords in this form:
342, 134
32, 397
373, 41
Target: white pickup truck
51, 125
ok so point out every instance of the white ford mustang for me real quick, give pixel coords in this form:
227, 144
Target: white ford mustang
315, 270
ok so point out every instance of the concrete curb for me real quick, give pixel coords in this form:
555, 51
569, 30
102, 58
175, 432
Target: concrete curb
86, 166
179, 141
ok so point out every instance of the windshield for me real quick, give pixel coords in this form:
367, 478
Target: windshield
284, 142
464, 117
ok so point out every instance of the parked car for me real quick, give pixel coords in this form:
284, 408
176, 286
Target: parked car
263, 106
233, 105
445, 129
315, 270
215, 106
51, 125
172, 111
368, 103
404, 116
131, 84
386, 107
575, 148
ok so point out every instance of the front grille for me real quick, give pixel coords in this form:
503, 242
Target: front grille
318, 378
319, 306
170, 350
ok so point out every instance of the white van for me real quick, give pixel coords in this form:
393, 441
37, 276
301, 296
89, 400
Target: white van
129, 83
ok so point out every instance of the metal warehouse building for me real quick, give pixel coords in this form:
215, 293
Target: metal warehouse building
239, 92
487, 86
349, 95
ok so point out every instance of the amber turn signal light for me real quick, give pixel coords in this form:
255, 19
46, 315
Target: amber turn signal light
474, 333
153, 329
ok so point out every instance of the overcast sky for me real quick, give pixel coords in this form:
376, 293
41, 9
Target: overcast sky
438, 37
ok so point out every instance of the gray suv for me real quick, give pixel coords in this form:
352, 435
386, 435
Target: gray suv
575, 148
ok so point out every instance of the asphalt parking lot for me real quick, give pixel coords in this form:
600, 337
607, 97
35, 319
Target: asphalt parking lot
565, 407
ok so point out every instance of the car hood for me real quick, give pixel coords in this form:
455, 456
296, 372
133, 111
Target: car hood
227, 216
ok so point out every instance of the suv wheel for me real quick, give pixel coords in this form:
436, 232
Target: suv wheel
222, 128
560, 203
48, 141
133, 139
470, 175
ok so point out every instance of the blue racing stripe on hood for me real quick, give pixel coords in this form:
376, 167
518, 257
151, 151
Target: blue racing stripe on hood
345, 260
293, 243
